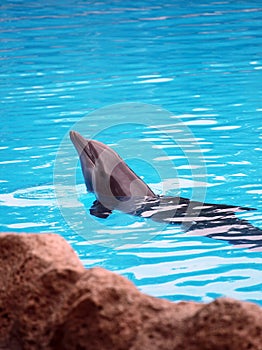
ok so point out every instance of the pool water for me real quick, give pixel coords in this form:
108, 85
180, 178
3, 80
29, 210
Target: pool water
175, 88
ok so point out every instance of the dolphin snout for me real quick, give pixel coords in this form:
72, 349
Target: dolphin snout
79, 141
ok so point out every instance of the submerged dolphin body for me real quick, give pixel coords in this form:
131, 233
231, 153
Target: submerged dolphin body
117, 187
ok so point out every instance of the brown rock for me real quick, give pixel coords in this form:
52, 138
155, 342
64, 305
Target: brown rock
36, 273
108, 312
229, 324
49, 301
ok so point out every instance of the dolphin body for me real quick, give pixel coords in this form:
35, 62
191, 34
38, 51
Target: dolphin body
117, 187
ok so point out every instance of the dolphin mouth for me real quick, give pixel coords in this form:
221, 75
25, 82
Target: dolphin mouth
82, 146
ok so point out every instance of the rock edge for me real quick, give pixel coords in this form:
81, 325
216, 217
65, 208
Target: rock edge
49, 301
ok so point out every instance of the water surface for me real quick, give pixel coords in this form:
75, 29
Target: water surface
199, 60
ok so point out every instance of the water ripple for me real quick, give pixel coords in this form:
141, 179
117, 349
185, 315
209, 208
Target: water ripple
63, 60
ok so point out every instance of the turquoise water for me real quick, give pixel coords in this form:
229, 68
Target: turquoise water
192, 72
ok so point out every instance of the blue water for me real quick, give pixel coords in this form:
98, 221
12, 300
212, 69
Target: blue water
175, 88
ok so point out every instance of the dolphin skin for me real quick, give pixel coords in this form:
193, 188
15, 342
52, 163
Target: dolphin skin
117, 187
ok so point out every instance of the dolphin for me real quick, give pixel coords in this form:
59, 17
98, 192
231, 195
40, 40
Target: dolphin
117, 187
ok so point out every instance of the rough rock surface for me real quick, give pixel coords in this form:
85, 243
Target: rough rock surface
49, 301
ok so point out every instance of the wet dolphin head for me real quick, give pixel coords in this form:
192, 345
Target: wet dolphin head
88, 151
106, 174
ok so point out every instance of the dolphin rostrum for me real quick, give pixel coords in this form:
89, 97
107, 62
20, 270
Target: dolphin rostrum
117, 187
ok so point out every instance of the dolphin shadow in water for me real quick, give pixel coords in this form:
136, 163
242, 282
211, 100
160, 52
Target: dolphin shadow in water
117, 187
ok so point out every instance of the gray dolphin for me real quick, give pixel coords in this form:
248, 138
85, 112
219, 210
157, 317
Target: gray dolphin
117, 187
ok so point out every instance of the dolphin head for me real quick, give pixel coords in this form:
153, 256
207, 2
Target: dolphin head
106, 174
